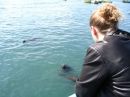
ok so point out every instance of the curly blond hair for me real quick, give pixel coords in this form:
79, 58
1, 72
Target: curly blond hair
106, 18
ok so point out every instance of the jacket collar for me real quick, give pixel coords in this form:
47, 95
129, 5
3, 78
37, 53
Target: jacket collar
119, 33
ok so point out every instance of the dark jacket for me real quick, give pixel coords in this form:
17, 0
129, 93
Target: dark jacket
106, 70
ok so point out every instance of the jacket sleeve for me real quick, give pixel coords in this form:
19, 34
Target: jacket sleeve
92, 76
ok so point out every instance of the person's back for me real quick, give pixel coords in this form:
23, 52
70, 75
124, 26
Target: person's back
106, 67
115, 53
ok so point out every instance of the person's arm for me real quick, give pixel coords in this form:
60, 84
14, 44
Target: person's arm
92, 76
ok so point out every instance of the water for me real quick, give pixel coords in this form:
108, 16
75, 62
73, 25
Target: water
62, 35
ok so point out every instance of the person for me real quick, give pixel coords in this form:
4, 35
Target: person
106, 68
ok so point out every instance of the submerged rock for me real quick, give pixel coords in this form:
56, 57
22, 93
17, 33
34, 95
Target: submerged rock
97, 1
126, 1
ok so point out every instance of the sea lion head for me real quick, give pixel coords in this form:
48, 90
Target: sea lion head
66, 68
24, 41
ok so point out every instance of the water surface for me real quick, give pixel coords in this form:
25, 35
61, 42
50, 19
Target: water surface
31, 69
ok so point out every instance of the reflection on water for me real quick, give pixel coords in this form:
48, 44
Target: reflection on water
57, 33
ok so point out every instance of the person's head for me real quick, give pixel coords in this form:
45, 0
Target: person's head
105, 19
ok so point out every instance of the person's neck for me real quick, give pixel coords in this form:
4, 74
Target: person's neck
100, 37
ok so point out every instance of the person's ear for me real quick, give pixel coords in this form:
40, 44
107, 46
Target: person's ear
94, 32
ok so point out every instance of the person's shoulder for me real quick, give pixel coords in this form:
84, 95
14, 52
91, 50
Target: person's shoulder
123, 33
98, 46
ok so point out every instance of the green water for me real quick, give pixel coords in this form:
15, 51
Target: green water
32, 69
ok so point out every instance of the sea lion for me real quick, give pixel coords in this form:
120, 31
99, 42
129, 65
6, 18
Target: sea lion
66, 71
66, 68
33, 39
